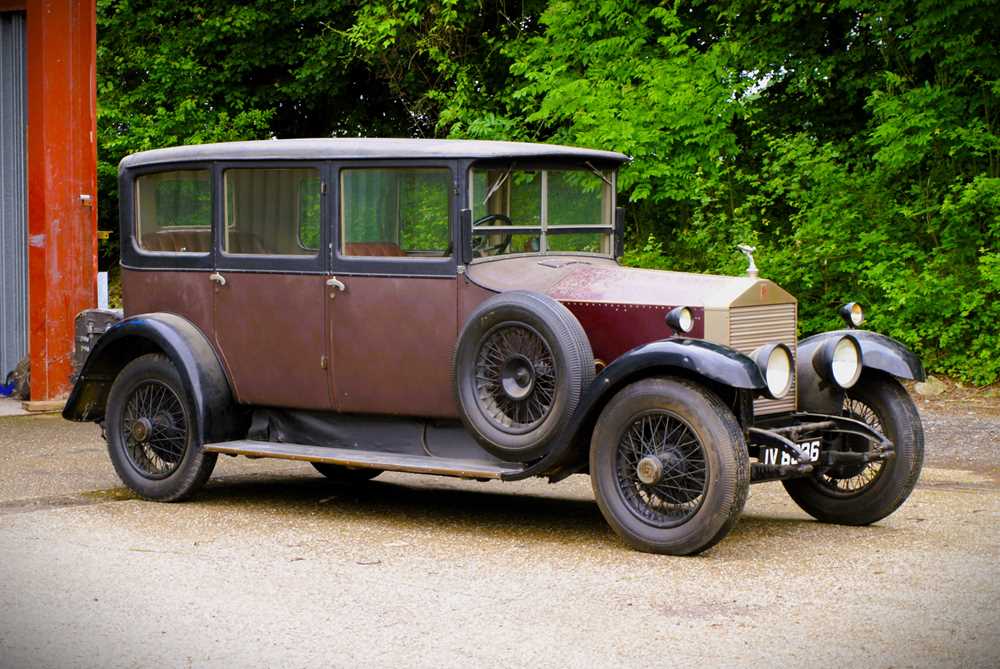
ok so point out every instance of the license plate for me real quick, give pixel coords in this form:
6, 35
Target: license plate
776, 456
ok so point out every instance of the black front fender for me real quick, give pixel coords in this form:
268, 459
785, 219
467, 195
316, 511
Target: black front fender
693, 358
703, 358
878, 352
216, 415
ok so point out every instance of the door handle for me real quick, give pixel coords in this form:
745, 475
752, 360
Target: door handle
334, 282
217, 278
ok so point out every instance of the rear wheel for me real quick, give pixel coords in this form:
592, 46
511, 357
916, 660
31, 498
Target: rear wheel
669, 467
865, 493
347, 475
151, 432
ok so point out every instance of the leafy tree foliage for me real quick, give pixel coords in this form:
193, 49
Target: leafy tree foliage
854, 142
177, 73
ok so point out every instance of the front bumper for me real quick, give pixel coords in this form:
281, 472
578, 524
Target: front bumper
843, 442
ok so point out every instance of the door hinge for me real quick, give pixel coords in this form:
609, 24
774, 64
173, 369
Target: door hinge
323, 362
322, 188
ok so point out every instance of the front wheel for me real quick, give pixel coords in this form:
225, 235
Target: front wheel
865, 493
151, 432
669, 467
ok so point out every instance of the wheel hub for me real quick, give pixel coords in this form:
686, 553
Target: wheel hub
142, 429
649, 470
517, 378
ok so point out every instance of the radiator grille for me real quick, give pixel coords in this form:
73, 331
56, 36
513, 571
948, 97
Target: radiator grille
751, 328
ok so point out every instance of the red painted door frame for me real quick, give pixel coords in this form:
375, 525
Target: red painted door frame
62, 169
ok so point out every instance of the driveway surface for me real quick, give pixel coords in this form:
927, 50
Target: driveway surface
271, 566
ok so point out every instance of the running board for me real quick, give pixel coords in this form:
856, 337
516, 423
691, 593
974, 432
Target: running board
394, 462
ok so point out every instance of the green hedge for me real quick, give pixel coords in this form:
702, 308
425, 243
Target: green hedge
855, 143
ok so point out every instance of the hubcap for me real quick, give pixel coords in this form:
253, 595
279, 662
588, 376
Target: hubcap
517, 377
649, 470
516, 380
141, 429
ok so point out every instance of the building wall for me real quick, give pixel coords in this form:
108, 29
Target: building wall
13, 193
62, 181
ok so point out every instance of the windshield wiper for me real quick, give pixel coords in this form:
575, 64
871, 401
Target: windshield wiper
497, 185
598, 173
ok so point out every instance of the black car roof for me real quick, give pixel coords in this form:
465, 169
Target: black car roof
367, 148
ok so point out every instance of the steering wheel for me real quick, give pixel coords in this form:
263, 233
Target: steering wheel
479, 245
492, 217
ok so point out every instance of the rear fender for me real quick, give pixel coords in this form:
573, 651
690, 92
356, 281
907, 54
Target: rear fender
216, 415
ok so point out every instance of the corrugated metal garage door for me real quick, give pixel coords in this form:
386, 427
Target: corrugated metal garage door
13, 192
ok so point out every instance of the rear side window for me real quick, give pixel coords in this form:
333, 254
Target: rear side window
272, 211
174, 212
395, 212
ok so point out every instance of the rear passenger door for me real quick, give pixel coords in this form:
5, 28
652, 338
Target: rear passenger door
392, 308
269, 282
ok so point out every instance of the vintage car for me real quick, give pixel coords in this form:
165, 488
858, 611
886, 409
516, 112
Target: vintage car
457, 308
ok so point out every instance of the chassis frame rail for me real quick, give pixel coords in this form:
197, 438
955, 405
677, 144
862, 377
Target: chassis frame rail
783, 431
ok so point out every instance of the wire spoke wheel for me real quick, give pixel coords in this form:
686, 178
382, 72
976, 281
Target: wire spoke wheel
669, 466
661, 469
515, 378
854, 479
154, 429
153, 437
521, 365
864, 493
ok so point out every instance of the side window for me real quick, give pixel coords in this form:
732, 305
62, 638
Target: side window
173, 212
395, 212
272, 211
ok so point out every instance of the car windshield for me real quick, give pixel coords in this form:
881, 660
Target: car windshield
525, 210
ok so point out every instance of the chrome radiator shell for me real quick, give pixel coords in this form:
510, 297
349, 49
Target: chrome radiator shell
750, 327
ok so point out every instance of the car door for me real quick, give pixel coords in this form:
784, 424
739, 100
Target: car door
392, 302
269, 283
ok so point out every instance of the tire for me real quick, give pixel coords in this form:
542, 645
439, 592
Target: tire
692, 434
345, 475
864, 494
521, 364
151, 433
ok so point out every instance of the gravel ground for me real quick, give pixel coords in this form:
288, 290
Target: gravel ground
273, 566
962, 434
962, 441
